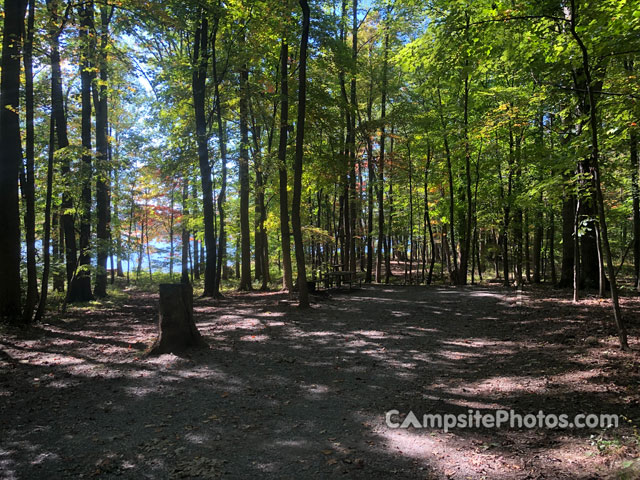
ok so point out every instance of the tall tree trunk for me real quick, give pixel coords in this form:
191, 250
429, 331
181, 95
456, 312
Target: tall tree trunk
146, 231
195, 268
589, 269
352, 138
10, 160
57, 240
47, 226
427, 217
568, 212
118, 241
538, 234
261, 256
243, 174
256, 132
222, 143
345, 145
518, 214
285, 234
475, 245
383, 102
538, 219
370, 180
635, 193
258, 261
517, 239
465, 236
577, 270
589, 264
199, 77
411, 242
27, 180
184, 277
202, 256
171, 229
303, 292
143, 217
130, 234
454, 273
635, 190
504, 237
103, 214
527, 249
67, 221
388, 273
595, 157
551, 247
602, 280
80, 288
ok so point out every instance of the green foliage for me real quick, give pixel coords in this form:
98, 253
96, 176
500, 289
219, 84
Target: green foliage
492, 88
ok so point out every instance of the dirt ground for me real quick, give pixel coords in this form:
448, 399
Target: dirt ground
284, 393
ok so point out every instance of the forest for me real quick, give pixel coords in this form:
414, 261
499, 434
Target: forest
321, 173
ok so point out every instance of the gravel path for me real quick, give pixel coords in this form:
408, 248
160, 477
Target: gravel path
284, 393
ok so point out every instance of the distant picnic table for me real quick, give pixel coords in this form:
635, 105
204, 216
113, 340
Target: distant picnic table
338, 277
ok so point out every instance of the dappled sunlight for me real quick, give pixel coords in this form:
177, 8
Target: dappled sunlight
432, 450
197, 438
301, 391
323, 334
501, 385
254, 338
457, 355
581, 381
314, 391
452, 455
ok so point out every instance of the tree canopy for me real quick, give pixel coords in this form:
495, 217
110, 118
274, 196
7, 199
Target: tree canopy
251, 144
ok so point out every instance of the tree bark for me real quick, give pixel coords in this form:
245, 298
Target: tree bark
47, 226
410, 210
427, 217
454, 273
199, 77
103, 213
352, 139
10, 160
80, 288
370, 180
243, 174
388, 273
66, 218
222, 196
177, 329
538, 234
27, 180
171, 229
383, 104
577, 265
261, 255
465, 236
285, 234
303, 289
568, 212
551, 243
635, 193
195, 268
184, 276
595, 171
633, 140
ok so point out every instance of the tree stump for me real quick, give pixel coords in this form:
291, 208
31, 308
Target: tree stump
177, 330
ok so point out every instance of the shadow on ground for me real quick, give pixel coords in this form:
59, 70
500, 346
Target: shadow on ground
284, 393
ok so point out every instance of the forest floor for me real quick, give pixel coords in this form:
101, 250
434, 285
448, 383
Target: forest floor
283, 393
